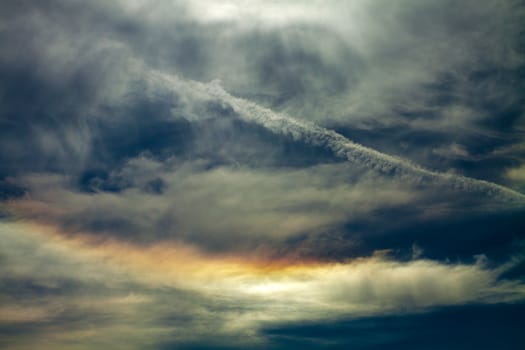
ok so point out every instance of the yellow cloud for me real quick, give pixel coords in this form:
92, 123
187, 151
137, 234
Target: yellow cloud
516, 174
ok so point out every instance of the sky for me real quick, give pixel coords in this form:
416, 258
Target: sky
252, 174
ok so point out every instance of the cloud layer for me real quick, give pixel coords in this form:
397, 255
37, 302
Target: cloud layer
86, 293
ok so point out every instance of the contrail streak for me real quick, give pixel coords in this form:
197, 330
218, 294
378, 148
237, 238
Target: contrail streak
344, 148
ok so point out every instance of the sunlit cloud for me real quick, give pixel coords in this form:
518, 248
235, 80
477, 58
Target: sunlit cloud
128, 281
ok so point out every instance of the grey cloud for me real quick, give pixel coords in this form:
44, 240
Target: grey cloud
211, 207
454, 150
216, 204
346, 66
345, 148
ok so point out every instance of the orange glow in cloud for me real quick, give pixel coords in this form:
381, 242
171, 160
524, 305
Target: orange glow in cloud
171, 262
308, 289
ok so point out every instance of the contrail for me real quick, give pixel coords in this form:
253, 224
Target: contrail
346, 149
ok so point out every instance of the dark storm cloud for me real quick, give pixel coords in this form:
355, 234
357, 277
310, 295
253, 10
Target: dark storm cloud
51, 81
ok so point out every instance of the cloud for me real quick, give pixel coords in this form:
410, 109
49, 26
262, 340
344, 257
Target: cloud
517, 174
208, 207
60, 293
212, 203
68, 289
349, 150
278, 61
454, 150
516, 177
